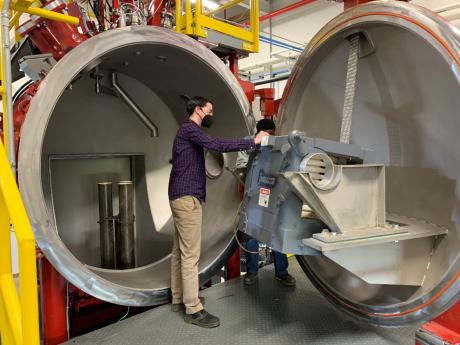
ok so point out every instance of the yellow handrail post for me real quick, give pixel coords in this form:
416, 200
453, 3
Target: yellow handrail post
198, 23
15, 19
10, 313
2, 93
19, 315
178, 15
188, 17
254, 22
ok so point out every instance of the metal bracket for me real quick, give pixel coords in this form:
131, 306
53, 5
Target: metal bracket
36, 67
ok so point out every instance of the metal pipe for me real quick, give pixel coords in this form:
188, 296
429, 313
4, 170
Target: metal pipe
48, 14
7, 85
280, 44
134, 107
125, 226
107, 234
272, 80
285, 9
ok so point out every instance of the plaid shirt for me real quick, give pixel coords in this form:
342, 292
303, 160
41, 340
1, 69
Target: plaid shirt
188, 176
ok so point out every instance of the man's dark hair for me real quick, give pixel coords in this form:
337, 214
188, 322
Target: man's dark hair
196, 101
265, 125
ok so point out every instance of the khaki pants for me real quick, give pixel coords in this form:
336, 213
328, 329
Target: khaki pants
187, 215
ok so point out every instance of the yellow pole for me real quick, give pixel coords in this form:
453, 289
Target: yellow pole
17, 36
28, 281
188, 17
178, 15
26, 246
198, 14
48, 14
254, 13
11, 312
15, 19
3, 94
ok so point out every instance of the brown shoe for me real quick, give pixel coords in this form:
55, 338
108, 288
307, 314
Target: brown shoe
181, 307
202, 319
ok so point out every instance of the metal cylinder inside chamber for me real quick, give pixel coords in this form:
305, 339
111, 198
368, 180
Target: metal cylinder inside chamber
406, 109
108, 112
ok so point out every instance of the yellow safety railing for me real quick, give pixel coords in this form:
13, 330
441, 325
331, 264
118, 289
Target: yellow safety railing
18, 313
25, 6
194, 22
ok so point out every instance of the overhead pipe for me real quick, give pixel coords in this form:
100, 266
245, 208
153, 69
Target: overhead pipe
280, 44
272, 80
272, 74
134, 107
285, 9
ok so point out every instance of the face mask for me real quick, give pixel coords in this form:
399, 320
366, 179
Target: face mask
207, 120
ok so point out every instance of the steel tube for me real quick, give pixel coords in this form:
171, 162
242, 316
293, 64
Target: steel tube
7, 84
124, 237
134, 107
106, 225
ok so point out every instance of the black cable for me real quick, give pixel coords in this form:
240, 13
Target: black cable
268, 81
21, 90
96, 14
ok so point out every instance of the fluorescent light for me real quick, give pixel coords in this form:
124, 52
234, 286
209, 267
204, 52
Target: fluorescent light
210, 5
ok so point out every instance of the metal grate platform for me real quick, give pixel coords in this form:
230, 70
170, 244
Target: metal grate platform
265, 313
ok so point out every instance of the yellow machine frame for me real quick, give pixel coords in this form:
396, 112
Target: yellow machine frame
194, 23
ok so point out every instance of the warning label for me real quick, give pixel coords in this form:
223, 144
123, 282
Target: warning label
264, 197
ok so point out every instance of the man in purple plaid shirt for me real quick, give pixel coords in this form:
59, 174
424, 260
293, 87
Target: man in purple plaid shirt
187, 190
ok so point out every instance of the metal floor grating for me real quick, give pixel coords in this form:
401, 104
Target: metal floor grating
265, 313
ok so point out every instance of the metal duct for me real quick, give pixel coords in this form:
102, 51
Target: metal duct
75, 137
406, 109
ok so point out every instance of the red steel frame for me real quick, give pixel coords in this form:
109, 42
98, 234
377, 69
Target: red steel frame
445, 327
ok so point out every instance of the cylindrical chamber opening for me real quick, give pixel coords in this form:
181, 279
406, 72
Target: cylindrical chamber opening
406, 109
82, 130
215, 164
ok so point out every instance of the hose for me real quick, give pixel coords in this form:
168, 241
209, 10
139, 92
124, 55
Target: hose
235, 231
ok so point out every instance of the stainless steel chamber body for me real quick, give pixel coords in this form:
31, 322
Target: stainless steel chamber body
406, 110
80, 131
